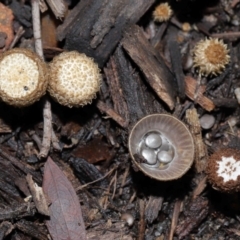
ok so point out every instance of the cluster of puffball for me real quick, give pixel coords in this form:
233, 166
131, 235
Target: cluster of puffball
72, 78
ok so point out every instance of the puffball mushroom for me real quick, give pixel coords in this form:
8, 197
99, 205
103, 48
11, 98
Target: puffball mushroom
210, 56
23, 77
223, 170
162, 12
74, 79
163, 144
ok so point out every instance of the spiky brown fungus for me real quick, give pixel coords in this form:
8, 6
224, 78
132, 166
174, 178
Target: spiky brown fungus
23, 77
210, 56
223, 170
162, 12
74, 79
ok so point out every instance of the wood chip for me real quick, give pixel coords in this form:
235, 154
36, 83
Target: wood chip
38, 196
200, 148
153, 66
190, 88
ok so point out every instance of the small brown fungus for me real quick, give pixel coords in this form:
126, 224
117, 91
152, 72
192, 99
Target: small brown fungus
74, 79
210, 56
23, 77
165, 144
162, 12
223, 170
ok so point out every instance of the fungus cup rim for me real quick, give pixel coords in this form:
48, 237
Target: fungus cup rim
188, 152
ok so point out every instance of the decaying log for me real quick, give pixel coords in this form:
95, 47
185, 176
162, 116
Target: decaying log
95, 27
200, 148
151, 63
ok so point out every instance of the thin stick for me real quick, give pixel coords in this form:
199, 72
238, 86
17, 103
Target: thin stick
176, 212
55, 142
19, 33
37, 27
99, 179
47, 129
47, 114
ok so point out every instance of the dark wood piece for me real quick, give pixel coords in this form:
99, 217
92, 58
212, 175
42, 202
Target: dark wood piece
32, 229
151, 63
95, 27
177, 67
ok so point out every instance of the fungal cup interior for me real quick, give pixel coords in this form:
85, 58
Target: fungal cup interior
164, 143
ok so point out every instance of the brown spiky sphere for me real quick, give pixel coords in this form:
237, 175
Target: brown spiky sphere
223, 170
162, 12
23, 77
74, 79
210, 56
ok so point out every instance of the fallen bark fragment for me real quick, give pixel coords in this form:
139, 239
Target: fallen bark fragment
102, 24
153, 207
196, 211
66, 221
150, 62
58, 7
114, 83
5, 229
142, 223
176, 62
109, 111
87, 173
176, 212
34, 230
17, 212
190, 90
200, 149
38, 196
140, 99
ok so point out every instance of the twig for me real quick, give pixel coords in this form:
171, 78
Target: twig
37, 27
226, 35
47, 129
55, 142
19, 33
124, 180
47, 114
87, 184
176, 212
142, 224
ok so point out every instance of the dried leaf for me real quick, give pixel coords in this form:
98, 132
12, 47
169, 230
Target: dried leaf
66, 220
94, 151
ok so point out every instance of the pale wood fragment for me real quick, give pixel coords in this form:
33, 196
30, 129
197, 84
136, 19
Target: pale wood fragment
200, 148
190, 88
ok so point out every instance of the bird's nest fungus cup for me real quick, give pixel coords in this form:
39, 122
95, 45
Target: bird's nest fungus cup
161, 146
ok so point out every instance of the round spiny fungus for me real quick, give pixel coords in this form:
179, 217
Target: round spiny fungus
210, 56
162, 12
74, 79
23, 77
223, 170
